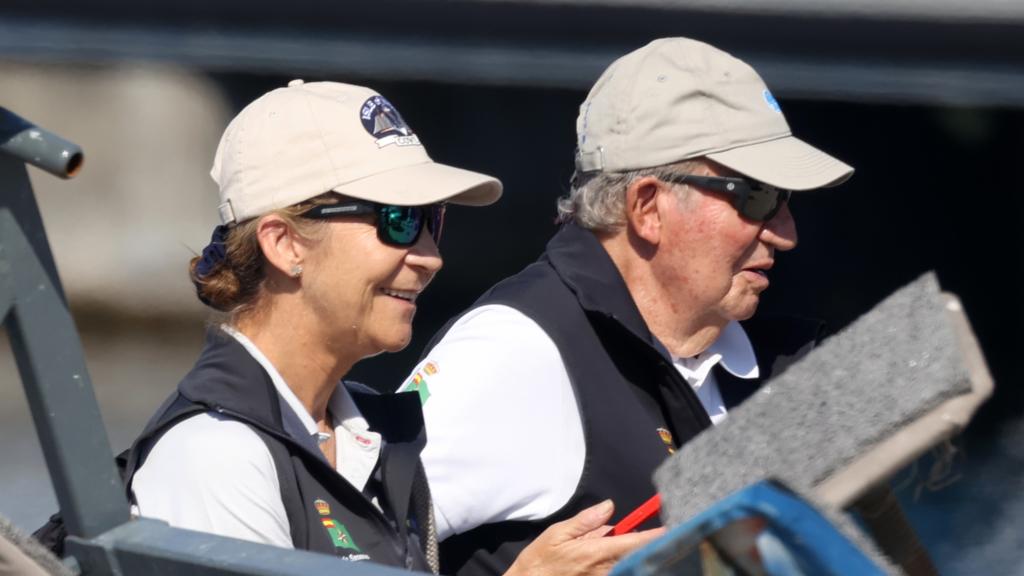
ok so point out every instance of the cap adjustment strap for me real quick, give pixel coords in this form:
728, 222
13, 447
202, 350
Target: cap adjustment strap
227, 214
590, 161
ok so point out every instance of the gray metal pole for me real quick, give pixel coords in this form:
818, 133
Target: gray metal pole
33, 145
16, 195
60, 396
45, 342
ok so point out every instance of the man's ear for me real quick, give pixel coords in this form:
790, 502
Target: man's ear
281, 245
643, 220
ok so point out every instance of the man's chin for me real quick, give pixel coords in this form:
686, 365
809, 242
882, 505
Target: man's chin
746, 316
745, 310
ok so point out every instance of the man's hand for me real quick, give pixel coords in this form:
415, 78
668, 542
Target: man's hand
577, 546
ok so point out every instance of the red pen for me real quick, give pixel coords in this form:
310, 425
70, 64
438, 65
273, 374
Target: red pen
637, 517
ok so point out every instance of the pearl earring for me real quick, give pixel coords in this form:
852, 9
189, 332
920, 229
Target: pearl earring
296, 270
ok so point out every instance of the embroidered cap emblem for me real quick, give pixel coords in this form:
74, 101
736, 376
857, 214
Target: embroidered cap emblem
382, 120
771, 101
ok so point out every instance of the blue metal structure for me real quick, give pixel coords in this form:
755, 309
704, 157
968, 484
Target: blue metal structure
793, 538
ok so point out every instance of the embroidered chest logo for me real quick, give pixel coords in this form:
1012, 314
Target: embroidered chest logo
666, 438
418, 382
336, 530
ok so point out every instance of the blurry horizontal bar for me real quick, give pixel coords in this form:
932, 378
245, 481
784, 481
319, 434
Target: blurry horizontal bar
291, 53
957, 10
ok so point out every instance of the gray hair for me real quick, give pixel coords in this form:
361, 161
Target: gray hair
596, 201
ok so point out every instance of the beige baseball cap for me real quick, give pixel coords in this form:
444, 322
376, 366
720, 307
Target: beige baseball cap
677, 99
295, 143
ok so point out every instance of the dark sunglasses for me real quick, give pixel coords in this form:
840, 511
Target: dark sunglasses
396, 225
752, 199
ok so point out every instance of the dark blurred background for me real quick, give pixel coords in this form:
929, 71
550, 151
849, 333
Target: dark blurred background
927, 102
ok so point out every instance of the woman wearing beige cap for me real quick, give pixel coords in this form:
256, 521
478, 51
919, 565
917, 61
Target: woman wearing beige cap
331, 214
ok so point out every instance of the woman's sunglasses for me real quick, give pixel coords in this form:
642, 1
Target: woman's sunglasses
396, 225
752, 199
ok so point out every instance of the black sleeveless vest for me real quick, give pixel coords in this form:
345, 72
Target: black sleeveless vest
634, 405
325, 512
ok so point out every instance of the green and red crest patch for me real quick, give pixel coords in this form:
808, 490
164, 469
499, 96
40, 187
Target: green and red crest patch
336, 530
339, 534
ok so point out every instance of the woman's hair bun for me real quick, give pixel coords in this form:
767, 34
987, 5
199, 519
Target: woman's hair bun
217, 287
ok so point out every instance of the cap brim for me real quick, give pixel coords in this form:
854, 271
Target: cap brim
787, 162
426, 183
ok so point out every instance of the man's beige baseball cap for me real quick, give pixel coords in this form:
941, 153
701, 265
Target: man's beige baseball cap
295, 143
677, 99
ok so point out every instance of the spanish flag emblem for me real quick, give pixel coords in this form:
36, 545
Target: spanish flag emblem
418, 384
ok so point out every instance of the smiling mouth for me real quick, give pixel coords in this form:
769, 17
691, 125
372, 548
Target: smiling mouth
407, 295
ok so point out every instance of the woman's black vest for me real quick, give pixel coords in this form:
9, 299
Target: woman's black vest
635, 406
325, 512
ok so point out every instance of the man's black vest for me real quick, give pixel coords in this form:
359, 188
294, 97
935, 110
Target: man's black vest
326, 513
634, 404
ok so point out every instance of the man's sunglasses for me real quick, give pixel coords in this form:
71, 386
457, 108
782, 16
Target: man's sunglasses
752, 199
396, 225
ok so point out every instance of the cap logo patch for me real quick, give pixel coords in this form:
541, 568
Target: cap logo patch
382, 120
772, 102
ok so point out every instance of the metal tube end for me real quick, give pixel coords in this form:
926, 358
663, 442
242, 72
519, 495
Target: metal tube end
43, 149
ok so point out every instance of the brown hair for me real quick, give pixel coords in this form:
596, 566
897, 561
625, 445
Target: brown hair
234, 284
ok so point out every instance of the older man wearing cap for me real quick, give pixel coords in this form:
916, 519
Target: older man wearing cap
571, 381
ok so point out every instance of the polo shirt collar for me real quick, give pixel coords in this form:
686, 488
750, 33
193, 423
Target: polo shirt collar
735, 352
349, 425
341, 405
279, 384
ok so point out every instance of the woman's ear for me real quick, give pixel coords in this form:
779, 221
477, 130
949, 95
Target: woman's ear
643, 219
281, 245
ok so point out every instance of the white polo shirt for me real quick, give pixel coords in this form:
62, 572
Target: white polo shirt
505, 438
214, 474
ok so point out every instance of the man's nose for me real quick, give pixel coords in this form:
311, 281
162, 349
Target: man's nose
780, 231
